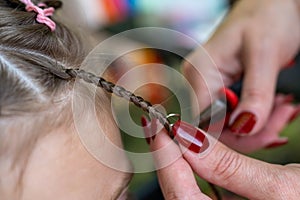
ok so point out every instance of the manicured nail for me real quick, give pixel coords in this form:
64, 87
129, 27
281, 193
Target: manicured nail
244, 123
277, 144
146, 132
189, 136
289, 98
295, 115
144, 121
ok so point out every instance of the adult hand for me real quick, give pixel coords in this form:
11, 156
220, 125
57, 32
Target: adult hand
283, 112
255, 41
222, 166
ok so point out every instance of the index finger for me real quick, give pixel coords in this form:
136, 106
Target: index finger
242, 175
177, 180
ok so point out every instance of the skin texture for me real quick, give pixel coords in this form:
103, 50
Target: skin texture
257, 38
50, 172
63, 166
250, 178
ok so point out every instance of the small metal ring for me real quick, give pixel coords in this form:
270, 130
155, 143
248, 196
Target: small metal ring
173, 115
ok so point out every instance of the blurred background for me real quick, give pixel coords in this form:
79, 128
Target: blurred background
196, 19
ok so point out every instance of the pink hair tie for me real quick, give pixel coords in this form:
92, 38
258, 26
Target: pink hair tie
42, 14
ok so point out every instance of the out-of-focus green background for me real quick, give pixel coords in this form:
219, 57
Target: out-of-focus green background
198, 20
145, 185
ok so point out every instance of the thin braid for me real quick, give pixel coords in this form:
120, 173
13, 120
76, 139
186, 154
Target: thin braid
121, 92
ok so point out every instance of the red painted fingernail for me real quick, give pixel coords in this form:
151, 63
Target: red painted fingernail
189, 136
289, 98
144, 124
294, 116
144, 121
277, 144
244, 123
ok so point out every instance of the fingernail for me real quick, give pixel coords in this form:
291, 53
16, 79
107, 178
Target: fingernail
294, 115
189, 136
244, 123
277, 144
144, 121
146, 132
289, 98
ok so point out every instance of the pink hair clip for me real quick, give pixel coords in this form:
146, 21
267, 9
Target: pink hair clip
42, 14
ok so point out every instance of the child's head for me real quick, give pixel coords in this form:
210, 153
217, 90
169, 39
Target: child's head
41, 156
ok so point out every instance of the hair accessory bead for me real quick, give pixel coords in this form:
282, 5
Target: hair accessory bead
42, 14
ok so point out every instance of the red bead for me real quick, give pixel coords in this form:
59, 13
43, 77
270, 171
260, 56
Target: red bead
189, 136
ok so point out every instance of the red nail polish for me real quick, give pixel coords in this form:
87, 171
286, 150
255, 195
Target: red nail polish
144, 121
294, 115
244, 123
189, 136
289, 98
144, 124
277, 144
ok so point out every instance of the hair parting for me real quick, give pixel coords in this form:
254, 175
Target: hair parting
38, 69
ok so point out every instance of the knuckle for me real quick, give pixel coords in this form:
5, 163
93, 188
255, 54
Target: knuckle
173, 195
227, 166
257, 95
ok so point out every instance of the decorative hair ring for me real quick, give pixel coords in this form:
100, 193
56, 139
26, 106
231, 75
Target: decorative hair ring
43, 15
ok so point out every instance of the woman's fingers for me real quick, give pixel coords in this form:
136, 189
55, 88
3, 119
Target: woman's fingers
245, 176
242, 175
261, 68
282, 113
217, 164
220, 165
175, 176
204, 77
244, 45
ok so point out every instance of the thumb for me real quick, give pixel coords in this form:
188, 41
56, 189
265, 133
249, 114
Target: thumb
237, 173
260, 75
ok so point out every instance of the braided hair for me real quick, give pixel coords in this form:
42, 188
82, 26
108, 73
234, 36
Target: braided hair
38, 68
120, 92
43, 62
